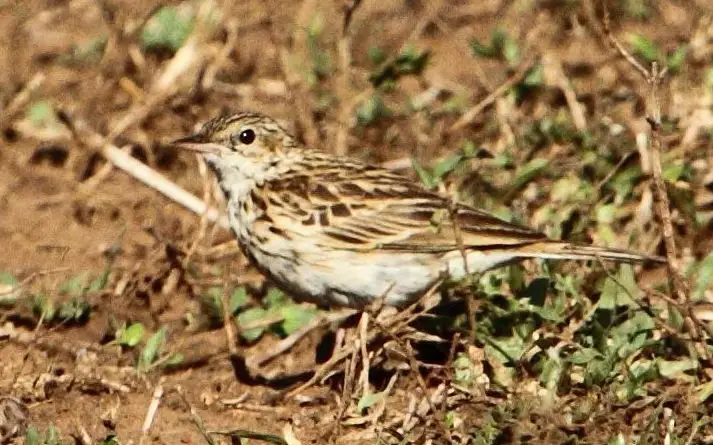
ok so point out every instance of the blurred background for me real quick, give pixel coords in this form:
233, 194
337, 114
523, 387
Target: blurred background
518, 107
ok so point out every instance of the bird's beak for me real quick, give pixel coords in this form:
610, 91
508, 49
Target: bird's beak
198, 144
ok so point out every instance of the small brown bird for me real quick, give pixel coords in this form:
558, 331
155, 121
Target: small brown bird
340, 232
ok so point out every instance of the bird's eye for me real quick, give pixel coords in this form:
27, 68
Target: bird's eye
247, 137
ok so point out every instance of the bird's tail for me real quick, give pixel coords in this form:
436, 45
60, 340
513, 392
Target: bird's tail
567, 251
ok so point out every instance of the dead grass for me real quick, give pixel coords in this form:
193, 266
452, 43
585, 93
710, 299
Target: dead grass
112, 294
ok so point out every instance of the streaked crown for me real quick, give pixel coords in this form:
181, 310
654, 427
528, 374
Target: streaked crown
246, 132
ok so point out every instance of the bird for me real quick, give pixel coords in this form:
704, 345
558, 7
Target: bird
340, 232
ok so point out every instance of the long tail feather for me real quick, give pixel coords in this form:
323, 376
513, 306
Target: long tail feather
563, 250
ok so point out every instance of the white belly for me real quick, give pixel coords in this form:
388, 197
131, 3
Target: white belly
355, 279
351, 278
346, 278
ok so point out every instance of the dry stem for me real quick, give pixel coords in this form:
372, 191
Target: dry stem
472, 113
654, 78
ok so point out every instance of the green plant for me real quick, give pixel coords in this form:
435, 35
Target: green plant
51, 437
151, 357
409, 61
501, 46
279, 314
321, 62
8, 289
649, 52
168, 28
131, 335
372, 110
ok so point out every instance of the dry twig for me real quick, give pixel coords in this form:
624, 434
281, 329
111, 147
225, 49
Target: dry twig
151, 412
195, 418
343, 80
22, 98
298, 91
141, 171
365, 365
473, 112
230, 336
396, 323
256, 362
347, 391
470, 297
654, 77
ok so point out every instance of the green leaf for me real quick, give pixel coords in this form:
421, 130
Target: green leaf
638, 9
552, 369
315, 26
623, 182
675, 60
535, 77
367, 401
482, 50
463, 370
614, 295
505, 349
275, 298
704, 391
8, 278
87, 52
371, 111
249, 316
409, 61
451, 419
567, 285
455, 104
152, 348
584, 356
238, 299
321, 61
32, 436
132, 335
110, 439
100, 282
295, 316
617, 440
704, 278
174, 360
42, 306
52, 437
75, 286
671, 368
644, 48
469, 149
597, 371
168, 29
211, 303
631, 335
606, 214
424, 175
446, 166
376, 55
672, 172
76, 310
500, 46
511, 51
40, 113
528, 172
497, 40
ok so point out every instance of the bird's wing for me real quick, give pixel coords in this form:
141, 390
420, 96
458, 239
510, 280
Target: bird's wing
348, 205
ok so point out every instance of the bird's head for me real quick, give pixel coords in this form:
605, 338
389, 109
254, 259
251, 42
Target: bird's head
241, 145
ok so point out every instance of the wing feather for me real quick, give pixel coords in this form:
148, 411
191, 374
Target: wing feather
357, 206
